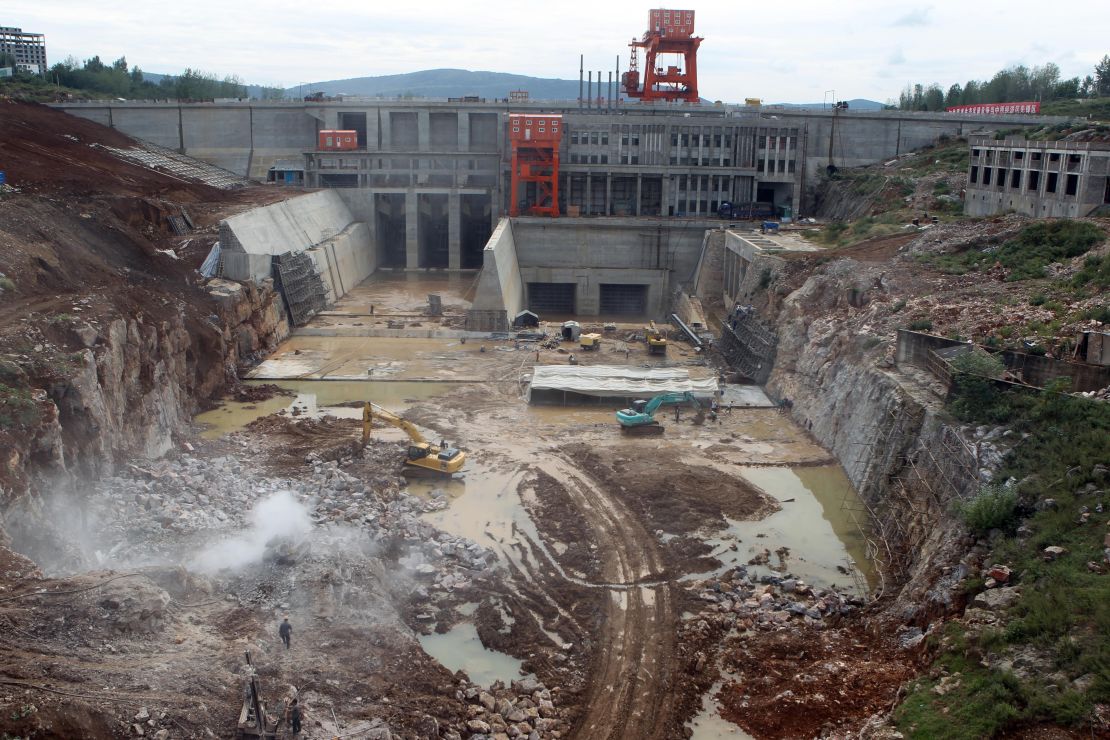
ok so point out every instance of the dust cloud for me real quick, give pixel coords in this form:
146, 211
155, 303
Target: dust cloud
276, 517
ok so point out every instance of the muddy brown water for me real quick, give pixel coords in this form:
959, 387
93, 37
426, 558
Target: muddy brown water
317, 395
460, 649
817, 522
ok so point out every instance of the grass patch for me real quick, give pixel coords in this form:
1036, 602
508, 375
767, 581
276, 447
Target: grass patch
17, 409
1027, 254
994, 507
1095, 273
920, 325
1064, 610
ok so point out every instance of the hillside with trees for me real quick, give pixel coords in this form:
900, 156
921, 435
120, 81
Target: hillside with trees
94, 78
1010, 85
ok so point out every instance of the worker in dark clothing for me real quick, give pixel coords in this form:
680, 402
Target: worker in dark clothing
286, 631
295, 717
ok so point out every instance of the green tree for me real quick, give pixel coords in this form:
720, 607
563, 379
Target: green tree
1102, 76
972, 93
1043, 81
955, 96
933, 98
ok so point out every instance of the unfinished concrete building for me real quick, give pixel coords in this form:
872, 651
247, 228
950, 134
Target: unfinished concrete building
1043, 179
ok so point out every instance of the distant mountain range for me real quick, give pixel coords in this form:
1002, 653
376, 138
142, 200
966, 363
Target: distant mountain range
457, 83
445, 83
853, 104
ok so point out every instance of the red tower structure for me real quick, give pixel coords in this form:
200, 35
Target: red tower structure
669, 32
535, 139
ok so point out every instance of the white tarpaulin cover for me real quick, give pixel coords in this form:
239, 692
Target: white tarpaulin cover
618, 380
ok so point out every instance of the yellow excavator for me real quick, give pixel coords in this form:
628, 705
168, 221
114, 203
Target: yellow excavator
656, 339
421, 453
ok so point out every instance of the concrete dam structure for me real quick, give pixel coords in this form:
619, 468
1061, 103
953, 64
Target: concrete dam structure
430, 180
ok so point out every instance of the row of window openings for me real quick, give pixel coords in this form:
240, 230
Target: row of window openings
327, 163
1034, 156
1071, 184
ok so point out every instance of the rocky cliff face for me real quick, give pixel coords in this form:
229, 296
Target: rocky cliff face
133, 384
884, 423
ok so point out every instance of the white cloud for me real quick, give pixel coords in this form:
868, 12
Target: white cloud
762, 50
916, 17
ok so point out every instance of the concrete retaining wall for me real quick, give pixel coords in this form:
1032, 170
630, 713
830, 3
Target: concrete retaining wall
500, 293
345, 261
317, 223
289, 226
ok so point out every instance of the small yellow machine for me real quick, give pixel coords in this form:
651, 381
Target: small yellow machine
656, 339
421, 453
589, 342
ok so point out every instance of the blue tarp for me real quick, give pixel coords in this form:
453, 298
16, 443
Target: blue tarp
211, 262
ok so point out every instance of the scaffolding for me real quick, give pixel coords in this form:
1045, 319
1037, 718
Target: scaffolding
927, 476
296, 279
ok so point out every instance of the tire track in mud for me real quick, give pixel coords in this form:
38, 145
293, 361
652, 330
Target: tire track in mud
630, 690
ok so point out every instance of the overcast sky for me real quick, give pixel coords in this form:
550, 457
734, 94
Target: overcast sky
781, 52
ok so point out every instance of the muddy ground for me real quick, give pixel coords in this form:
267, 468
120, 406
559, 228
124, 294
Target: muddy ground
573, 549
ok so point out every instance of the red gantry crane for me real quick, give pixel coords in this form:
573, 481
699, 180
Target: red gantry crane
669, 32
535, 141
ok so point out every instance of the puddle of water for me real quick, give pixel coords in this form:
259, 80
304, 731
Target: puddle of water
232, 416
817, 526
460, 649
708, 724
309, 357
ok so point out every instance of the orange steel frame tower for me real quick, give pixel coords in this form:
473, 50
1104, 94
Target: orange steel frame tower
669, 32
535, 139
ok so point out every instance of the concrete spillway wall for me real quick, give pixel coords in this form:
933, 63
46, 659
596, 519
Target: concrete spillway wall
319, 224
584, 258
500, 294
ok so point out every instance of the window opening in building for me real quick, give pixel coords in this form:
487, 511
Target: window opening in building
973, 178
1034, 181
1071, 185
1015, 179
1050, 183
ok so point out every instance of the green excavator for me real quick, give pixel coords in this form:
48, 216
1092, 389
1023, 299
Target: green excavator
640, 419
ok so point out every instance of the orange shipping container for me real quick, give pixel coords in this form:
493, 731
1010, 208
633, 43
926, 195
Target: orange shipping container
338, 139
535, 127
671, 22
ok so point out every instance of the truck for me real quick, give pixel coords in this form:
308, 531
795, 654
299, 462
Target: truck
745, 211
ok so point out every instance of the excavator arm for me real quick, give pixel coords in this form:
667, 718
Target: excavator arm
371, 410
654, 404
421, 453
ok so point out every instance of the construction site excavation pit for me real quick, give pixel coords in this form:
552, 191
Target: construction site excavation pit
578, 555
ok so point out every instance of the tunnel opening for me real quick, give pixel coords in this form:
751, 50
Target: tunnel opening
390, 214
433, 231
354, 122
623, 300
339, 181
475, 225
551, 298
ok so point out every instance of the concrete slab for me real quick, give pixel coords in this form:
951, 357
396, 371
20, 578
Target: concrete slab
746, 396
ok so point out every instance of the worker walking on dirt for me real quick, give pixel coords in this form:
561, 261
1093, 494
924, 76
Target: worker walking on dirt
286, 631
677, 414
295, 717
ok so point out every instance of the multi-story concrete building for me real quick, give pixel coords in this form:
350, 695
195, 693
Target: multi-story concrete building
28, 49
435, 177
1037, 178
431, 179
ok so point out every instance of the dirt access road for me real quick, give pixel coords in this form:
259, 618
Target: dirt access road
600, 503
